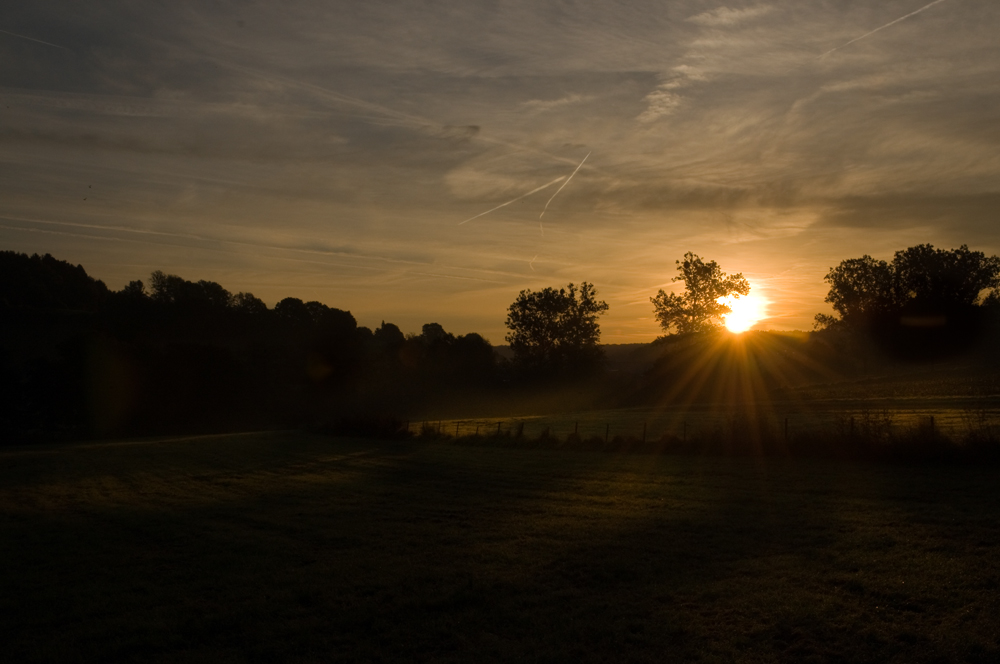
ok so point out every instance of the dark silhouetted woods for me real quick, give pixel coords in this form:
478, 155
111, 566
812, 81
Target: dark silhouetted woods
924, 304
79, 360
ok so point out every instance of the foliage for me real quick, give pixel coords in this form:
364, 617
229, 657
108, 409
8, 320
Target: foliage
43, 282
699, 309
175, 356
920, 280
860, 288
556, 331
172, 289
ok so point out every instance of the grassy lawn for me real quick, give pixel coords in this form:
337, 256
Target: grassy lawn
953, 417
292, 547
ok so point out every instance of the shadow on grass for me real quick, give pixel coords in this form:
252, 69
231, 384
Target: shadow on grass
302, 547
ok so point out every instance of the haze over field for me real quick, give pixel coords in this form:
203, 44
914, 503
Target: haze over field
331, 151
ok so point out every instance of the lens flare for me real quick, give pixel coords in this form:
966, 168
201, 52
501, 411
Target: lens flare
746, 311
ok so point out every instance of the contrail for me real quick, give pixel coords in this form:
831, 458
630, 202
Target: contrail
533, 191
566, 183
14, 34
868, 34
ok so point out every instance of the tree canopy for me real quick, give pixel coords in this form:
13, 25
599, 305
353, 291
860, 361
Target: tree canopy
698, 309
920, 280
556, 330
172, 355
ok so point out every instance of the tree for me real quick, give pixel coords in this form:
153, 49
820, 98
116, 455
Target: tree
433, 333
699, 309
200, 296
920, 281
293, 311
247, 303
556, 331
860, 290
930, 277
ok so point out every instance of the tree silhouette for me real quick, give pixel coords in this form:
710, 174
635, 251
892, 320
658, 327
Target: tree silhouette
248, 304
43, 282
924, 304
860, 290
556, 330
920, 281
699, 309
293, 311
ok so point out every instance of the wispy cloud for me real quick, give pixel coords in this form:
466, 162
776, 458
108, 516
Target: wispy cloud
552, 104
725, 17
661, 102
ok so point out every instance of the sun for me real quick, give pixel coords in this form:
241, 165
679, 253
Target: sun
746, 311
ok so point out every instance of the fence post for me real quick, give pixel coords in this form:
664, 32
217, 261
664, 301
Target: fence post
456, 429
684, 434
607, 430
498, 428
643, 433
932, 424
786, 431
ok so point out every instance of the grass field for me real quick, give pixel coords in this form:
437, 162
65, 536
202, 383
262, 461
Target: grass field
293, 547
954, 417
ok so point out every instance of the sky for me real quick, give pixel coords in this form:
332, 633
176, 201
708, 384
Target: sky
345, 151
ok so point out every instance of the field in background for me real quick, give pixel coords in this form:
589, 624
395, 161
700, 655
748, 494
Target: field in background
953, 417
956, 397
295, 547
697, 385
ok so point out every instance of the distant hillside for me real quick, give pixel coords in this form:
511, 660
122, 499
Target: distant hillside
624, 358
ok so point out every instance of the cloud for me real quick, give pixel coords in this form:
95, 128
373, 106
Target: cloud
458, 134
661, 102
541, 105
724, 17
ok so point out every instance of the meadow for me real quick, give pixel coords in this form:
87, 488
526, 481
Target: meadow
287, 546
955, 418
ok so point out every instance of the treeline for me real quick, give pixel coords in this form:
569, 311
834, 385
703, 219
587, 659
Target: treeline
78, 359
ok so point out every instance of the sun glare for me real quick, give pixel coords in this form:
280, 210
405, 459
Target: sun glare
746, 311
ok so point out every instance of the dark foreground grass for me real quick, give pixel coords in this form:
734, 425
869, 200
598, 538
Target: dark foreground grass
290, 547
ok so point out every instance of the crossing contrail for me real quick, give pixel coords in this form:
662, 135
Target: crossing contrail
14, 34
563, 185
533, 191
869, 34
